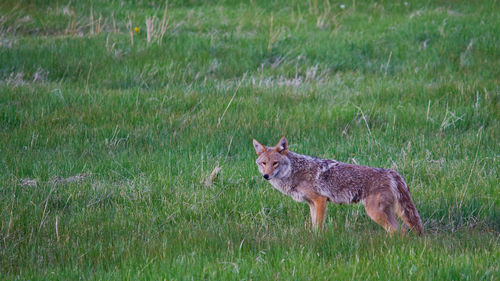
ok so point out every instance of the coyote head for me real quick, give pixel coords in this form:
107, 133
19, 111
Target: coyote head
272, 161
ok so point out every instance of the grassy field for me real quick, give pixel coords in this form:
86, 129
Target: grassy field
113, 115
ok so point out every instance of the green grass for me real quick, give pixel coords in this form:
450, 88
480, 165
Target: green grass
410, 86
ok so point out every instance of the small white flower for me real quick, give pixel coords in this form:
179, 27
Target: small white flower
406, 3
342, 6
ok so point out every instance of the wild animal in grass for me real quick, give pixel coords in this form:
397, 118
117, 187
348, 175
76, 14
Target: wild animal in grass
317, 181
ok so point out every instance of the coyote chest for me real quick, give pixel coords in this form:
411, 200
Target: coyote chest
288, 189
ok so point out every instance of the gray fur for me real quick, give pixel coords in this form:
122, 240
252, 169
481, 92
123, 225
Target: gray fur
340, 182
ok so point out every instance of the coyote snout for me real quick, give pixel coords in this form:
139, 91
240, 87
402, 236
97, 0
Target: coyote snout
317, 181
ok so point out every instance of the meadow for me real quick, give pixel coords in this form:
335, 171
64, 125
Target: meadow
126, 134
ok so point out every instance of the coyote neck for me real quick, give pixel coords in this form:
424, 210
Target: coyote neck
300, 169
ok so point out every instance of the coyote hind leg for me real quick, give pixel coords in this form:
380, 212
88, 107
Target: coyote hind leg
379, 208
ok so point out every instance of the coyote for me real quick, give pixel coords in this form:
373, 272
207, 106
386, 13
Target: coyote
317, 181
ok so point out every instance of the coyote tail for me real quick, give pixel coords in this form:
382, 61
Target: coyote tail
404, 205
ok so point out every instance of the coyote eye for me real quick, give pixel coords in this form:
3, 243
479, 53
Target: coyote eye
264, 163
275, 164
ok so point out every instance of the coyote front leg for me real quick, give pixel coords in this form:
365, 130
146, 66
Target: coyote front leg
317, 206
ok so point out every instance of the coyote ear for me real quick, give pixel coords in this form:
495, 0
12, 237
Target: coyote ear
258, 147
282, 146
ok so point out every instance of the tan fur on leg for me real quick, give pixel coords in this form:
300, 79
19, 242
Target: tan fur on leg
317, 205
312, 208
320, 204
380, 210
